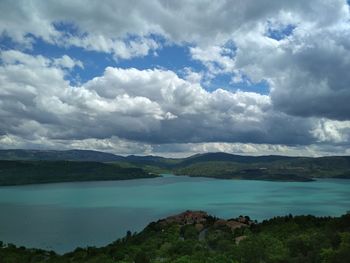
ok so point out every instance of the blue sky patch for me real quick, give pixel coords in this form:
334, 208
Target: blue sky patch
280, 33
168, 57
94, 62
68, 29
224, 81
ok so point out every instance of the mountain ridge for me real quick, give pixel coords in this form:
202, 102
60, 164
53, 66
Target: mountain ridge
215, 165
67, 155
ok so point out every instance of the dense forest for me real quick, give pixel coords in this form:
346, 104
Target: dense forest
29, 172
197, 237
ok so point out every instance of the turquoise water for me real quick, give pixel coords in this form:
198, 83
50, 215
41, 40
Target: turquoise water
64, 216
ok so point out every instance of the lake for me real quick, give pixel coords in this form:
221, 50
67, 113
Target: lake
63, 216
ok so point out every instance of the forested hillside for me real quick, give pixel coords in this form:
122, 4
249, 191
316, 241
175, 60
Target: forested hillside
34, 172
196, 237
216, 165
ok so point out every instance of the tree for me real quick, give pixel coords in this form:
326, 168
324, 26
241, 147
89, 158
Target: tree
142, 257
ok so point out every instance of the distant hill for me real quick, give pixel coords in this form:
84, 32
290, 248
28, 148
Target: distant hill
51, 155
97, 156
80, 155
216, 165
227, 157
274, 168
38, 172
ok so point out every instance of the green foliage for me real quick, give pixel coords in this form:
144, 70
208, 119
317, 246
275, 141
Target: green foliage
33, 172
339, 253
287, 239
276, 168
284, 169
189, 232
216, 165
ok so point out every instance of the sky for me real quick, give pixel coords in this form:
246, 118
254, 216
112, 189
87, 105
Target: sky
175, 78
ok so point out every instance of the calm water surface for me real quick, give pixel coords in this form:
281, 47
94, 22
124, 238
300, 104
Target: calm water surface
64, 216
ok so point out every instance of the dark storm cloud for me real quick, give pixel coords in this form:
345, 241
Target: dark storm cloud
317, 81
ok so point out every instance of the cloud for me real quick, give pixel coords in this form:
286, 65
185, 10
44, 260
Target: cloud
188, 149
102, 25
305, 69
124, 147
317, 77
67, 62
300, 49
151, 106
113, 145
95, 26
199, 115
120, 48
217, 59
336, 132
307, 72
